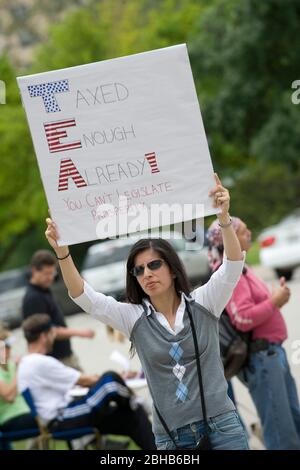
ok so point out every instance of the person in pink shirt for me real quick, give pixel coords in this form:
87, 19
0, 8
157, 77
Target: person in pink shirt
253, 308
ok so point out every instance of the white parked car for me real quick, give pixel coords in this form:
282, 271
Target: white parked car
280, 245
104, 267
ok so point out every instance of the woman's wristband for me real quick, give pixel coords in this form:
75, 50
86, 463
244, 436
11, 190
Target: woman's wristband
64, 257
226, 225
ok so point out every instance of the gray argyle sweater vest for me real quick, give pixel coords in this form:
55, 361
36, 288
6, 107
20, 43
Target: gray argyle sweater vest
169, 364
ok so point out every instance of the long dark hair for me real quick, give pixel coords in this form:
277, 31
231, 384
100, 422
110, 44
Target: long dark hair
134, 292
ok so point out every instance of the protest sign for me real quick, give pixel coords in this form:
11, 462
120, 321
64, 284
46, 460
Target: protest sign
115, 139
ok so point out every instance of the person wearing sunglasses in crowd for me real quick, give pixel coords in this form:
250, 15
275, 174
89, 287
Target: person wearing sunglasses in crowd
156, 318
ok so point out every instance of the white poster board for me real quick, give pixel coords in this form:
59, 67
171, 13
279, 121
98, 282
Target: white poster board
116, 138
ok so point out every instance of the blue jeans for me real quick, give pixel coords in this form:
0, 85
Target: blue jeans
274, 393
225, 433
230, 393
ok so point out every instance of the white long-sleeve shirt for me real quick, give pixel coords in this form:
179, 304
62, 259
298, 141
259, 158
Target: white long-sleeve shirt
214, 296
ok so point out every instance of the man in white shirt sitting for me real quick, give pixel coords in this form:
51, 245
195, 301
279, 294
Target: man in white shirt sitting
109, 405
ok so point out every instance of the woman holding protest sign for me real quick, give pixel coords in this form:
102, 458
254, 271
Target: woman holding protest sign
175, 332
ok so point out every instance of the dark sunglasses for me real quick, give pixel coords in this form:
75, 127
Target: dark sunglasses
152, 265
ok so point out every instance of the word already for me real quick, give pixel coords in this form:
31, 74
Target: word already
110, 173
106, 174
114, 172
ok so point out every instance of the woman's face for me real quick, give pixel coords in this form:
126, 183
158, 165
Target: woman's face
156, 282
244, 236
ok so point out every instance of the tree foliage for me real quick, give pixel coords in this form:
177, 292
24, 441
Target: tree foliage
244, 57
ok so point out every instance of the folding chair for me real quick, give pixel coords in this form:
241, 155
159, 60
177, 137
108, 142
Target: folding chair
6, 437
45, 436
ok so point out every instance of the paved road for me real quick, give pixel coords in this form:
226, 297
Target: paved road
94, 354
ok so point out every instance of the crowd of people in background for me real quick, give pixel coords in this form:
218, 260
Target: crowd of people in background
51, 369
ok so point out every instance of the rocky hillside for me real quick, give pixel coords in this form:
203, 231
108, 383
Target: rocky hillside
24, 24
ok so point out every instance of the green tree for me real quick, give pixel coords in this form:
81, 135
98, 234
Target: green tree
106, 29
99, 31
245, 59
22, 200
265, 194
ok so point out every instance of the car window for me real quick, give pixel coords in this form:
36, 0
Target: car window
107, 256
14, 280
113, 254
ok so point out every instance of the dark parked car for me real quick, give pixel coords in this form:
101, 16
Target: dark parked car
12, 289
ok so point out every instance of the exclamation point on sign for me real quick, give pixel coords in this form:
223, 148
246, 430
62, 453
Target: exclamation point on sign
151, 157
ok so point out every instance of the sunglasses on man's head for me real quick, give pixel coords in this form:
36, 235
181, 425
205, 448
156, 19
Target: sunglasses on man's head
152, 265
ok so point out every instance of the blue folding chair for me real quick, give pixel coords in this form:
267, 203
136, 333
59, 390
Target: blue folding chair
7, 437
45, 436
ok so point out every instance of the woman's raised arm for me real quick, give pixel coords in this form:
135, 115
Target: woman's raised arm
71, 276
232, 247
119, 315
